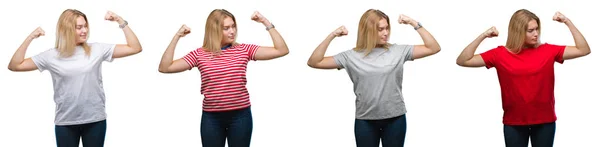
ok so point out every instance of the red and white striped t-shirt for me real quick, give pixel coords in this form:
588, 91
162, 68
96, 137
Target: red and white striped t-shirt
223, 76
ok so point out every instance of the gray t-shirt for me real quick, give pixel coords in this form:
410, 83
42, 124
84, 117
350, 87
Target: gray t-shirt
377, 80
77, 82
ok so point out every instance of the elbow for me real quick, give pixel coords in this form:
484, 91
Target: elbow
163, 70
138, 50
311, 64
12, 68
460, 63
437, 50
284, 53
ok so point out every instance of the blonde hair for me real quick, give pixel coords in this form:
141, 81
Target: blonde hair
368, 34
213, 32
517, 29
66, 36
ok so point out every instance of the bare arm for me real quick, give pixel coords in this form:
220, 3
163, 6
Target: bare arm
18, 62
279, 48
581, 47
133, 45
317, 59
430, 46
467, 57
167, 65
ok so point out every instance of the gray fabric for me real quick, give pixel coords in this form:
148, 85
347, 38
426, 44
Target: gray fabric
77, 82
377, 80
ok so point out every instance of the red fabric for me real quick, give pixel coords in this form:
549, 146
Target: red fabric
223, 77
526, 82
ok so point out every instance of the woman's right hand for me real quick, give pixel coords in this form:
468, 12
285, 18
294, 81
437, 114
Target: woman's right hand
490, 33
341, 31
37, 33
184, 30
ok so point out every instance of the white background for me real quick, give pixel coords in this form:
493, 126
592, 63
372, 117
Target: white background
294, 105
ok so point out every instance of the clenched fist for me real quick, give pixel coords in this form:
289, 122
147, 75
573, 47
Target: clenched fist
491, 32
256, 16
403, 19
37, 33
184, 30
560, 17
341, 31
111, 16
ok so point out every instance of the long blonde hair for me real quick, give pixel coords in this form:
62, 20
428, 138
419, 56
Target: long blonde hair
66, 36
213, 32
517, 29
368, 34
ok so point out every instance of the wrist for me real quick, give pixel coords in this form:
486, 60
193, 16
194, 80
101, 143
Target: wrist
267, 23
119, 20
414, 23
122, 23
483, 35
332, 35
567, 21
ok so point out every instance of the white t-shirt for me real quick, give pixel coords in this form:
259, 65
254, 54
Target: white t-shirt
77, 82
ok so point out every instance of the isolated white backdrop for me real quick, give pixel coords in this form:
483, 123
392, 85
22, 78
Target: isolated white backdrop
294, 105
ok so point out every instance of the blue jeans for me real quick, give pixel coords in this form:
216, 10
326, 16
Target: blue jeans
91, 134
391, 131
235, 126
542, 135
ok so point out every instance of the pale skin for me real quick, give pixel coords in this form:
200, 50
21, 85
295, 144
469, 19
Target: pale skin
468, 59
320, 61
19, 63
279, 48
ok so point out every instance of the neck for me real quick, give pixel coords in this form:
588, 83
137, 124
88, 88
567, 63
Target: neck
380, 45
223, 47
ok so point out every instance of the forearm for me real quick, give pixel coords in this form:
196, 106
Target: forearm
580, 41
167, 58
277, 39
319, 53
469, 51
132, 39
19, 55
428, 39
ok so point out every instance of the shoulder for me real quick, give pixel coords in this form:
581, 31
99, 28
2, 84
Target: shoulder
550, 45
400, 46
246, 46
498, 48
51, 52
100, 45
197, 51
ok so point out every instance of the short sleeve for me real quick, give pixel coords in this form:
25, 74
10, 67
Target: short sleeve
341, 59
250, 50
489, 57
41, 60
106, 50
556, 51
192, 58
404, 51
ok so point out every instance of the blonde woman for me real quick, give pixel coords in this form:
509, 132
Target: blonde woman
222, 64
375, 67
75, 66
525, 69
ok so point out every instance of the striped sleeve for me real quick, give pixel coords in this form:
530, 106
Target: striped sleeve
251, 50
191, 58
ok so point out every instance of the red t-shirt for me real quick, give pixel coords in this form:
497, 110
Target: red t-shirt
223, 77
526, 82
